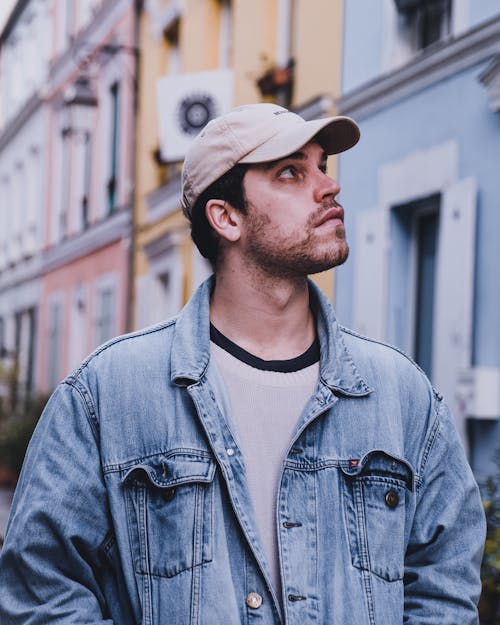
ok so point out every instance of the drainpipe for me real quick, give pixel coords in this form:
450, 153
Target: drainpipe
130, 301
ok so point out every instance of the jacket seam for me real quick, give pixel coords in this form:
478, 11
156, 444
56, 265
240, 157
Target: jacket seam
91, 418
118, 339
384, 344
432, 438
116, 467
90, 413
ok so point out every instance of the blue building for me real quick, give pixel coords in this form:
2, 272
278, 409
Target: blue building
422, 196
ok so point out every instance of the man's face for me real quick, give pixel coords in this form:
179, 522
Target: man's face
293, 226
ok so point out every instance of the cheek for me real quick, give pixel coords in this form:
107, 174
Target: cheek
279, 213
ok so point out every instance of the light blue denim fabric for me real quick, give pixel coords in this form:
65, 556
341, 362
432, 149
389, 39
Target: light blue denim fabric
133, 507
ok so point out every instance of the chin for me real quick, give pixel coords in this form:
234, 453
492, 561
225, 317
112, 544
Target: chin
328, 261
319, 268
334, 258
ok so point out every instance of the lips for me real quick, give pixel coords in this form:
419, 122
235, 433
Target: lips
334, 213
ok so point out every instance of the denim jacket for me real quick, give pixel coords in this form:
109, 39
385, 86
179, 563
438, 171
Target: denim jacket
133, 507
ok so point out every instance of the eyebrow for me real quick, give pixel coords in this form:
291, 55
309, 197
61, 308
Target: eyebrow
296, 156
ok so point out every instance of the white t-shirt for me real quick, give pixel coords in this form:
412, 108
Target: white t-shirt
265, 408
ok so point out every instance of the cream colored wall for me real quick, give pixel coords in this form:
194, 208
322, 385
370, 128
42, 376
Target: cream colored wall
316, 46
254, 37
200, 33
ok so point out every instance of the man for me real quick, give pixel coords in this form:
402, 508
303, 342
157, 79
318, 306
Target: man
250, 461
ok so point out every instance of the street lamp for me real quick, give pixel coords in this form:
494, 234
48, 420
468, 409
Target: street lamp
80, 106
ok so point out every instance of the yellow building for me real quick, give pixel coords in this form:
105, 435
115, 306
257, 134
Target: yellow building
286, 51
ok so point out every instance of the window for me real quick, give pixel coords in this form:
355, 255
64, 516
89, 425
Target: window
433, 22
86, 10
4, 223
65, 186
164, 280
171, 35
32, 320
426, 242
105, 321
114, 143
160, 291
78, 324
24, 349
69, 20
65, 23
87, 156
426, 21
33, 202
22, 187
285, 44
2, 338
225, 40
55, 335
413, 276
278, 80
17, 213
385, 302
166, 297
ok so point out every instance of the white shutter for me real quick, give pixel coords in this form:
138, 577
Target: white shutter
370, 273
453, 303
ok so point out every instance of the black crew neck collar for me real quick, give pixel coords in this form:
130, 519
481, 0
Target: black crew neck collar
308, 358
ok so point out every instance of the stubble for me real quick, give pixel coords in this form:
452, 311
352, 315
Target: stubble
295, 254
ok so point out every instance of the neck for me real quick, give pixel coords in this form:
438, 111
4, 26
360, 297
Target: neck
267, 316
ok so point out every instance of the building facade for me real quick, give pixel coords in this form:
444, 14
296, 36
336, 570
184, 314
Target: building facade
90, 96
199, 59
24, 69
420, 192
67, 148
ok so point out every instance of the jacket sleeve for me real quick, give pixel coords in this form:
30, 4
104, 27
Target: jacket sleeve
443, 558
58, 521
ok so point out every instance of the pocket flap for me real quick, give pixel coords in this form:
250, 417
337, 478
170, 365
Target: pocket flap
173, 469
380, 463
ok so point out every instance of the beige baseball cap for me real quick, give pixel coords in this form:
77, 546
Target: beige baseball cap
256, 133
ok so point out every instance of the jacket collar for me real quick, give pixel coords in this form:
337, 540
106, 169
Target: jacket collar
338, 370
191, 345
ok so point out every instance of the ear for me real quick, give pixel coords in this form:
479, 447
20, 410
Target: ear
224, 219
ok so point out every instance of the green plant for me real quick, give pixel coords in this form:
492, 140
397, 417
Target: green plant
489, 605
16, 428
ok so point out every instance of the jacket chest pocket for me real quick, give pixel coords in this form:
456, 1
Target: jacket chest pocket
375, 494
169, 500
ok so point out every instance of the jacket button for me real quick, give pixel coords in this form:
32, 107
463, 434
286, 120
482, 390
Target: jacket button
168, 494
254, 600
294, 598
391, 499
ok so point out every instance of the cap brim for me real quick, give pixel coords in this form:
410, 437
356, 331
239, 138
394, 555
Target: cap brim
334, 134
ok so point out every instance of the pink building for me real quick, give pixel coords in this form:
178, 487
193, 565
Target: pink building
83, 304
89, 186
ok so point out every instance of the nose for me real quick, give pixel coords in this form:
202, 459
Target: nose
326, 187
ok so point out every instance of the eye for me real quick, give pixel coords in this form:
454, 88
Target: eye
288, 172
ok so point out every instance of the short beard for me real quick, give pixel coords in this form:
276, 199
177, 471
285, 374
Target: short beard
297, 260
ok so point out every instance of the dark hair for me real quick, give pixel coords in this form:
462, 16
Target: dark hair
229, 188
